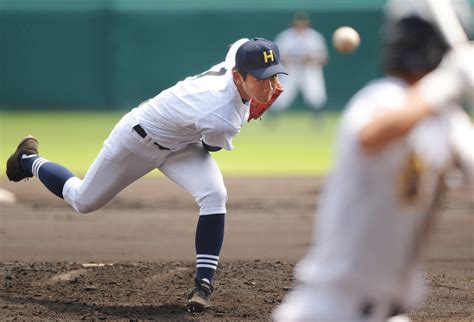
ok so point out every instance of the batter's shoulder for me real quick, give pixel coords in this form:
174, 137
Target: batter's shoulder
379, 93
386, 86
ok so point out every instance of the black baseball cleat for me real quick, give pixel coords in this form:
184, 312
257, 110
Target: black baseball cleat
200, 297
15, 171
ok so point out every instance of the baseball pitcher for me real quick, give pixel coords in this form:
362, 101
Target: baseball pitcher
174, 132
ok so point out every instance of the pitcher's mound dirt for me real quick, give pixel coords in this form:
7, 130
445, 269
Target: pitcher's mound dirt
145, 238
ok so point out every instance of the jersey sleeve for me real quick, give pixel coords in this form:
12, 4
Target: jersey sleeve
452, 81
359, 112
461, 138
375, 99
216, 131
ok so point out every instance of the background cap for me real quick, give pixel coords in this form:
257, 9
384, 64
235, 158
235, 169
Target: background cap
260, 58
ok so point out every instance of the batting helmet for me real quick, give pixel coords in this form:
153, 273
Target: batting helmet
412, 45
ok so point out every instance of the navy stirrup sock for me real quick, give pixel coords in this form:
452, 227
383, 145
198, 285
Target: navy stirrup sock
209, 239
52, 175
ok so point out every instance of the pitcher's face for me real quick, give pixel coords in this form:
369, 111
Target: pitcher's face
252, 88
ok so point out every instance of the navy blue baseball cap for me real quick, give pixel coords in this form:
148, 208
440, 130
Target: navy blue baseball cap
260, 58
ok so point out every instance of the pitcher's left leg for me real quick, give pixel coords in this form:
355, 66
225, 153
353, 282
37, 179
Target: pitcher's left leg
196, 171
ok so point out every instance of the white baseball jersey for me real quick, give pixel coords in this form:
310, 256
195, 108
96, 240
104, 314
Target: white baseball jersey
296, 48
205, 107
374, 211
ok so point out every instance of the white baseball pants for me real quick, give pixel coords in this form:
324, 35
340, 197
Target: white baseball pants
126, 157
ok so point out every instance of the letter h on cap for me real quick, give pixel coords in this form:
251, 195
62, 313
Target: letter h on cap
268, 55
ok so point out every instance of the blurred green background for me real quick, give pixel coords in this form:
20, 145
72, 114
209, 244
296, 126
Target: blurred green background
70, 68
288, 144
114, 54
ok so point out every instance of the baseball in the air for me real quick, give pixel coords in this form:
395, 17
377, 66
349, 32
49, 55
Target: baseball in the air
345, 39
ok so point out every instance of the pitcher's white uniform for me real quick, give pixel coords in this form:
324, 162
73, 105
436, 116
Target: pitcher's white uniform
173, 132
304, 53
207, 106
374, 213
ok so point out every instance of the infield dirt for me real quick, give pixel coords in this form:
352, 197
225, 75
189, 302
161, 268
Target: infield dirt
145, 239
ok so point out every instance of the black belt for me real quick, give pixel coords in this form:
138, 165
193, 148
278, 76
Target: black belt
143, 134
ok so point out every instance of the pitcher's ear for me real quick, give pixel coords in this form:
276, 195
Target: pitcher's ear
238, 79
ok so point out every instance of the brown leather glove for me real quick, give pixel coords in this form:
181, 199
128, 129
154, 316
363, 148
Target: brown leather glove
258, 108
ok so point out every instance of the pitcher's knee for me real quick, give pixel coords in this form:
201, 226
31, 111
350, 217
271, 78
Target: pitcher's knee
213, 202
74, 196
84, 208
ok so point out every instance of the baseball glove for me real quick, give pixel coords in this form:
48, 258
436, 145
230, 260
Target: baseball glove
258, 108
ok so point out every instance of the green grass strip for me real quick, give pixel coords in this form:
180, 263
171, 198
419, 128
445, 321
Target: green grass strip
287, 144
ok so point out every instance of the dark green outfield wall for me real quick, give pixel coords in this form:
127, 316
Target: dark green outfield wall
114, 54
52, 59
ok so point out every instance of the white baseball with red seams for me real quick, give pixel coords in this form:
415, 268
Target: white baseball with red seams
345, 39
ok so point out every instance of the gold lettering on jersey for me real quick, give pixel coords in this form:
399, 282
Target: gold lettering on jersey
409, 180
268, 55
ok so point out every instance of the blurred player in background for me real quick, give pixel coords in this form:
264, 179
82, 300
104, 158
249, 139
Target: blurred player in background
304, 53
398, 138
174, 132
